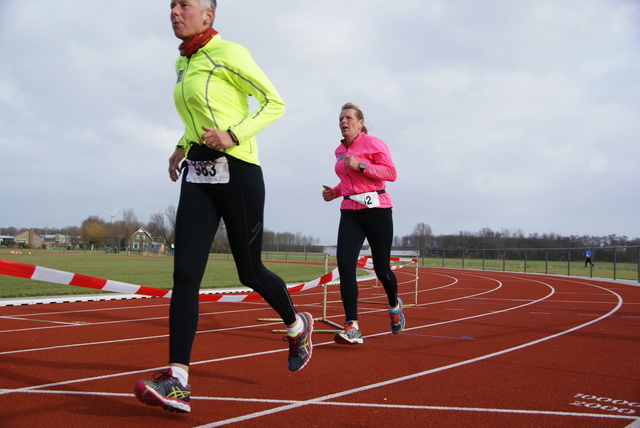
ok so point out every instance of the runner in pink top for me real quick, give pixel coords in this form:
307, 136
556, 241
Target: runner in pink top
363, 164
370, 177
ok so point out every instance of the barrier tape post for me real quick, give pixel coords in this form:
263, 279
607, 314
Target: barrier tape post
407, 257
323, 318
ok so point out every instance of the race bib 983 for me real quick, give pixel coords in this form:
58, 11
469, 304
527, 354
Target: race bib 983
208, 172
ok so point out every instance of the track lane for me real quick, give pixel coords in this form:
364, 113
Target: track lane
433, 340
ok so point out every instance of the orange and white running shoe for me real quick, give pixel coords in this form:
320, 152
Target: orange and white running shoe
349, 335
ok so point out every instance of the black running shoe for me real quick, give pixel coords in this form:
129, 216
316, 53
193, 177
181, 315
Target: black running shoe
165, 391
300, 347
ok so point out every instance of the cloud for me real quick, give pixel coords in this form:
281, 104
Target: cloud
498, 114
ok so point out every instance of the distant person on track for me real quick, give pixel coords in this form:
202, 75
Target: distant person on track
221, 179
587, 261
363, 164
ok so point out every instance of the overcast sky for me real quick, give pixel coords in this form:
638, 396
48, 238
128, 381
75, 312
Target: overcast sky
520, 115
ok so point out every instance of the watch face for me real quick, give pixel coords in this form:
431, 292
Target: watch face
362, 165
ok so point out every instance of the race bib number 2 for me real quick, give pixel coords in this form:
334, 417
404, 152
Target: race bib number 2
369, 199
208, 172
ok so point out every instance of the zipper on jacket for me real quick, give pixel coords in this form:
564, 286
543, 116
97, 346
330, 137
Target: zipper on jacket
184, 101
346, 171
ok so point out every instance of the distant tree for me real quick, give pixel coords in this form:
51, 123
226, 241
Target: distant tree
287, 241
74, 235
307, 241
129, 222
170, 214
10, 231
487, 238
269, 239
221, 240
422, 236
158, 228
94, 230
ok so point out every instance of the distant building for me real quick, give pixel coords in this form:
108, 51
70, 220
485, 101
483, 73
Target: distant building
29, 238
35, 240
6, 239
138, 239
49, 241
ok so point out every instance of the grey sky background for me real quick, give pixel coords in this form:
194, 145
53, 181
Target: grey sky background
520, 115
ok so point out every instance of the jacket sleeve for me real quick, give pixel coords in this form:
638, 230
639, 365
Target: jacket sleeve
182, 143
382, 167
245, 75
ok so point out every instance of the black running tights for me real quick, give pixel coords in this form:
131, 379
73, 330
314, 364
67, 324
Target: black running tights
376, 225
241, 204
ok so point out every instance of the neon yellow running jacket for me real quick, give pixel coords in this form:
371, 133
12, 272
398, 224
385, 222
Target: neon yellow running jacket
213, 90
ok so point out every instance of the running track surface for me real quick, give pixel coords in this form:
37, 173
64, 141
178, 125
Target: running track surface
480, 349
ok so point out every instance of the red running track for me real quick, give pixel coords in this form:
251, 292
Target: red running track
480, 349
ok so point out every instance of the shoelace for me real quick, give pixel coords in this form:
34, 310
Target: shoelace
162, 376
294, 343
347, 327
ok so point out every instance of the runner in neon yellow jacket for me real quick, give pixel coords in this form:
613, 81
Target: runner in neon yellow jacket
221, 179
211, 91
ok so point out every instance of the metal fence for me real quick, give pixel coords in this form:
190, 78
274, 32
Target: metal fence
617, 263
609, 262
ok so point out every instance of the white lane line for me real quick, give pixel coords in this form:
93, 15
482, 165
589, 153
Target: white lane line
79, 311
199, 332
130, 339
90, 324
346, 404
22, 318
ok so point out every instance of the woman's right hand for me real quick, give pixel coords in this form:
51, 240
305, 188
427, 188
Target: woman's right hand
174, 164
328, 194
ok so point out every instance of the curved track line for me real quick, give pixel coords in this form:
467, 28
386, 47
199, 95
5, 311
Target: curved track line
91, 324
107, 342
455, 281
419, 374
551, 293
499, 286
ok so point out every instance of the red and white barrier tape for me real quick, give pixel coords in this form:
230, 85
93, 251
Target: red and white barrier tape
39, 273
366, 262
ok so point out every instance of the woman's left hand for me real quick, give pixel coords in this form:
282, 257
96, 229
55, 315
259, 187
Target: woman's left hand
216, 139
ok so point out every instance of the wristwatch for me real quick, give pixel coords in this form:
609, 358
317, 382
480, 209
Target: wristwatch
362, 166
233, 137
